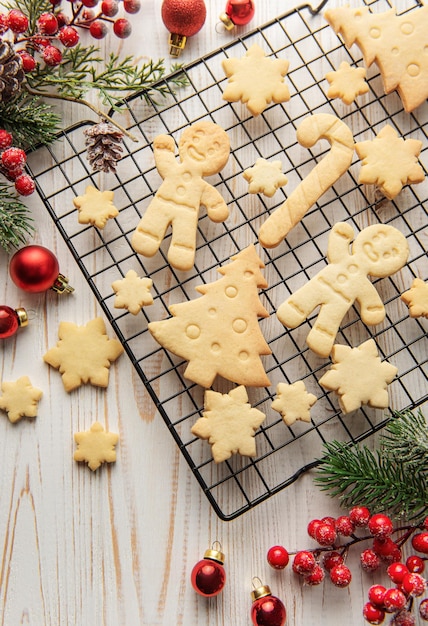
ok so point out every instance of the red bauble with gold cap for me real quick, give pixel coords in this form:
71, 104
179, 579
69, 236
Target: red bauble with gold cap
208, 576
266, 610
36, 269
183, 18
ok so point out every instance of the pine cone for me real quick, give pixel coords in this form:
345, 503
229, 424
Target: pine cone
11, 72
104, 147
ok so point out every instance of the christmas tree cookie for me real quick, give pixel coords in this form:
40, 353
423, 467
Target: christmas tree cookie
397, 44
229, 424
219, 334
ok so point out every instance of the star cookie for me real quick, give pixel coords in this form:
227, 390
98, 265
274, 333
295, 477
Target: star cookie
132, 292
229, 424
83, 354
293, 402
265, 177
416, 298
390, 162
256, 80
95, 207
19, 399
358, 376
95, 446
347, 83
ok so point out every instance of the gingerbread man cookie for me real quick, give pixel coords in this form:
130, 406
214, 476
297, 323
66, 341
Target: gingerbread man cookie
204, 150
378, 250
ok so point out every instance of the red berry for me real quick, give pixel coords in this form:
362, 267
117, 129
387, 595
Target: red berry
89, 3
41, 42
325, 534
98, 29
380, 525
415, 564
423, 609
131, 6
315, 577
328, 519
47, 24
122, 28
110, 8
340, 575
4, 23
369, 560
52, 56
88, 15
386, 549
331, 559
312, 526
376, 594
420, 542
394, 600
396, 572
62, 19
359, 515
373, 614
17, 21
5, 139
68, 36
344, 526
413, 584
28, 61
425, 523
24, 185
278, 557
13, 159
304, 562
404, 618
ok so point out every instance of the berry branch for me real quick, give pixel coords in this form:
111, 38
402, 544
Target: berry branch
335, 538
393, 477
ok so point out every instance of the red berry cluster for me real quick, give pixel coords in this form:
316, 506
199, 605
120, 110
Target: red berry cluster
12, 163
55, 28
328, 559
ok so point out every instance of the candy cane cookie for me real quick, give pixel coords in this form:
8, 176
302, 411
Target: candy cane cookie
321, 178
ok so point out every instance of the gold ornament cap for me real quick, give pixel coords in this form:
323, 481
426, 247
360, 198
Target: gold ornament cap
227, 22
61, 285
214, 555
22, 316
176, 44
260, 591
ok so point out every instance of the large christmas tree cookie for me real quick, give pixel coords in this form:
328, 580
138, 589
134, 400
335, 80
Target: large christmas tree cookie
219, 333
229, 423
397, 44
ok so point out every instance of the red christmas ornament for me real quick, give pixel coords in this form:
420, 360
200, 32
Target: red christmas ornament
183, 18
35, 269
237, 13
267, 610
11, 320
208, 576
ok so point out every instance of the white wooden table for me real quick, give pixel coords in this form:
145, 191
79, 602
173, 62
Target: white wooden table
116, 547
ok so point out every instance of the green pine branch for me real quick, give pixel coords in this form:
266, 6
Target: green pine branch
15, 220
30, 121
393, 478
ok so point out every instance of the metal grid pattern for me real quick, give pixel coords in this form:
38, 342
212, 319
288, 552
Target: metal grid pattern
62, 173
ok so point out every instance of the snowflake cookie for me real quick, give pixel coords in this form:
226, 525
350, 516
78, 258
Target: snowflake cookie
347, 83
265, 177
229, 423
132, 292
390, 162
95, 207
293, 402
256, 80
19, 399
95, 446
416, 298
358, 376
83, 354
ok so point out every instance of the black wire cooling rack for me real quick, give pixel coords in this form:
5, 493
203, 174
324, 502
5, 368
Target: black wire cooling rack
62, 172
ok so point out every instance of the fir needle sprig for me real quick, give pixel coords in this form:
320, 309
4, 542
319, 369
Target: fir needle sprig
15, 220
393, 477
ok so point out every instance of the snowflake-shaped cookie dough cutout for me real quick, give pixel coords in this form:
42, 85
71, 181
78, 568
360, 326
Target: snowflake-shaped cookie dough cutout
358, 376
229, 423
95, 446
256, 80
83, 354
19, 399
390, 162
416, 298
347, 83
293, 402
95, 207
132, 292
265, 177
